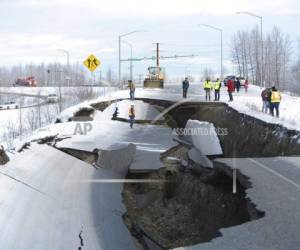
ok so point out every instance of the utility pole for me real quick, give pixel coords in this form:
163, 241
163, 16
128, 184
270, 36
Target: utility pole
20, 118
157, 54
120, 63
68, 77
39, 109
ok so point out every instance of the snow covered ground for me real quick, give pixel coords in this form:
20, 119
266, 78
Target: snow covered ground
26, 119
10, 124
251, 104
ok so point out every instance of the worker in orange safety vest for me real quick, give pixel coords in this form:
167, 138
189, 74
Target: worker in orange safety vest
131, 114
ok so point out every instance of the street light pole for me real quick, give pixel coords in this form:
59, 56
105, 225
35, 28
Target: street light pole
120, 47
131, 65
120, 63
221, 56
68, 65
261, 43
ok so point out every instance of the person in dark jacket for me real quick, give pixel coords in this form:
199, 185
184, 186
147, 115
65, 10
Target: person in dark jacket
185, 87
266, 98
230, 89
238, 85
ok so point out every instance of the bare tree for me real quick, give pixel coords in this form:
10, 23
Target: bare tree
246, 54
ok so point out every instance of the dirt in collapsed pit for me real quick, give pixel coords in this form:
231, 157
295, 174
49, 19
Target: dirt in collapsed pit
184, 208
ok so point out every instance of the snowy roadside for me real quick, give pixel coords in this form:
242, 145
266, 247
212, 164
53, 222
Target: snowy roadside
251, 104
12, 121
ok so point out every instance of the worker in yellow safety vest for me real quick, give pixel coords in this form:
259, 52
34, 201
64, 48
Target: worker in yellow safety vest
217, 87
207, 85
275, 101
131, 114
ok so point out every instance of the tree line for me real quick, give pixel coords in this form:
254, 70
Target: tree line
272, 62
53, 74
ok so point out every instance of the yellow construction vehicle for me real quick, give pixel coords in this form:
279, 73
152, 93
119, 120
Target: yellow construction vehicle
156, 75
155, 78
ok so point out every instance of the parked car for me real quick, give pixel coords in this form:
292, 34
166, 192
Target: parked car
228, 78
9, 105
52, 98
242, 81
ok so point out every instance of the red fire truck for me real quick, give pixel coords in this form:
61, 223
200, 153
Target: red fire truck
26, 81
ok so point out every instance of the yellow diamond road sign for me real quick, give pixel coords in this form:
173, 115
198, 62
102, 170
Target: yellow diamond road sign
92, 63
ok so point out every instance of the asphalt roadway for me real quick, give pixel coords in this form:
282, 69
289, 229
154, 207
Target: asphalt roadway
276, 191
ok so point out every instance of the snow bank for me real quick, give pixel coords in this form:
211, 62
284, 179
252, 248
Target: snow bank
251, 104
68, 113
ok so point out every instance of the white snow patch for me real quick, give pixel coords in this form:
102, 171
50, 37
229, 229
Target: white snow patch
203, 136
70, 112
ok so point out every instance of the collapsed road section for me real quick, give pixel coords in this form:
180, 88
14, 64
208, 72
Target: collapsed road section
175, 193
185, 208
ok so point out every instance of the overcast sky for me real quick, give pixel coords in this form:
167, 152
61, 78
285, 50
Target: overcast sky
34, 30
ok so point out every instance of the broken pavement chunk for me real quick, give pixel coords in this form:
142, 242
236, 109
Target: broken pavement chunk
203, 137
118, 160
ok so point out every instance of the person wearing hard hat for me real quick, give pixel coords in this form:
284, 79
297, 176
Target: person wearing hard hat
131, 114
207, 87
217, 87
275, 101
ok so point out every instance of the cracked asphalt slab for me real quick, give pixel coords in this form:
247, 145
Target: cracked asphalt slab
275, 191
31, 220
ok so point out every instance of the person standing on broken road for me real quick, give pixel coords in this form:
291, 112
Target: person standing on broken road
185, 87
131, 114
131, 87
207, 88
217, 87
230, 89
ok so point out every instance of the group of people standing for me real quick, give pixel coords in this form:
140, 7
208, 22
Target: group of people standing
271, 99
209, 86
216, 87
